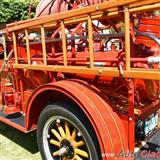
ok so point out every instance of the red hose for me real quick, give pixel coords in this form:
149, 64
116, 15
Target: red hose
46, 7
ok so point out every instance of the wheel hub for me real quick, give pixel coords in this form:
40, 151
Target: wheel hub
65, 141
69, 151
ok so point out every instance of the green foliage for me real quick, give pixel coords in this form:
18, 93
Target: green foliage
14, 10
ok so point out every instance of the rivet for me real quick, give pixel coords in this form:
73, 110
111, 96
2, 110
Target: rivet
100, 71
97, 8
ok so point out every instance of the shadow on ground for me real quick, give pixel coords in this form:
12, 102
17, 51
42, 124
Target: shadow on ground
27, 148
27, 141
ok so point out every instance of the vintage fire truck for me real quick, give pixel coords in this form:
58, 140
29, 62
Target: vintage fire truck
86, 75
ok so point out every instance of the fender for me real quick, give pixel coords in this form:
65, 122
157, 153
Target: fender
106, 123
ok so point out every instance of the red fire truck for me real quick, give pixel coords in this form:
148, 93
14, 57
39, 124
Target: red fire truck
86, 75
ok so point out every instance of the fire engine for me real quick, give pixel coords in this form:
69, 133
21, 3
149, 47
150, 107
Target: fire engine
86, 75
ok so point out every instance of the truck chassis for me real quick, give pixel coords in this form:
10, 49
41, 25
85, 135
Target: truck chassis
84, 99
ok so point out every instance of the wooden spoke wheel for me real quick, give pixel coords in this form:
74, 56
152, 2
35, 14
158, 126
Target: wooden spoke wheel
66, 135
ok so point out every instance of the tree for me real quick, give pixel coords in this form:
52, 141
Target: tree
15, 10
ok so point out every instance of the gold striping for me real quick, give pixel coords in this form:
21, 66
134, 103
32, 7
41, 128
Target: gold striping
100, 116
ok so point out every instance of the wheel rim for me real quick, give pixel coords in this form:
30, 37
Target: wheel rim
62, 140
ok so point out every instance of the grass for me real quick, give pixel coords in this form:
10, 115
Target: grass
15, 145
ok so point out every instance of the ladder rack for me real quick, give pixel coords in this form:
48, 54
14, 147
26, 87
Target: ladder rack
106, 10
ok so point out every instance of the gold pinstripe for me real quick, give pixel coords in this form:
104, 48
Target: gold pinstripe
114, 122
120, 136
100, 116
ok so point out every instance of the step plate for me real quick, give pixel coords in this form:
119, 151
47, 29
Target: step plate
16, 118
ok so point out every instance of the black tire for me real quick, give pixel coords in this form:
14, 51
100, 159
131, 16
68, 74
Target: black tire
65, 113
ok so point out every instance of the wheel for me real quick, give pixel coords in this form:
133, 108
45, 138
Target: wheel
64, 133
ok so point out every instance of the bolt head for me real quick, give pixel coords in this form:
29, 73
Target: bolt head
58, 121
100, 71
97, 8
48, 136
79, 134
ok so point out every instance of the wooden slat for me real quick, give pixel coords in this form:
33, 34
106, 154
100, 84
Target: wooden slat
146, 8
15, 47
82, 14
72, 19
127, 36
100, 15
4, 46
81, 11
143, 3
90, 39
43, 45
27, 46
64, 44
132, 5
107, 71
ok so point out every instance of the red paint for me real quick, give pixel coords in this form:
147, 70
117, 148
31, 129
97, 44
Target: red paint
84, 95
10, 100
109, 103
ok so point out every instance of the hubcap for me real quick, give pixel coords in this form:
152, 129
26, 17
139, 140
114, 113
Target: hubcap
64, 141
69, 149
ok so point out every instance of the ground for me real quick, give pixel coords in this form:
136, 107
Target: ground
15, 145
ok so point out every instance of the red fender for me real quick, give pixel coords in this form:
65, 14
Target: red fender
106, 123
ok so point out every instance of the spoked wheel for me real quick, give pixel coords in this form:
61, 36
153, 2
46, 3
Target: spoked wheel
66, 135
64, 139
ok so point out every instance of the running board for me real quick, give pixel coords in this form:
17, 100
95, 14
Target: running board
16, 120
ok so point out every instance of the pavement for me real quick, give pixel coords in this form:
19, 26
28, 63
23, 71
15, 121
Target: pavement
151, 150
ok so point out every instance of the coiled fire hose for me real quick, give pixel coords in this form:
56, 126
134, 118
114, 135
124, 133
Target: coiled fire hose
46, 7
